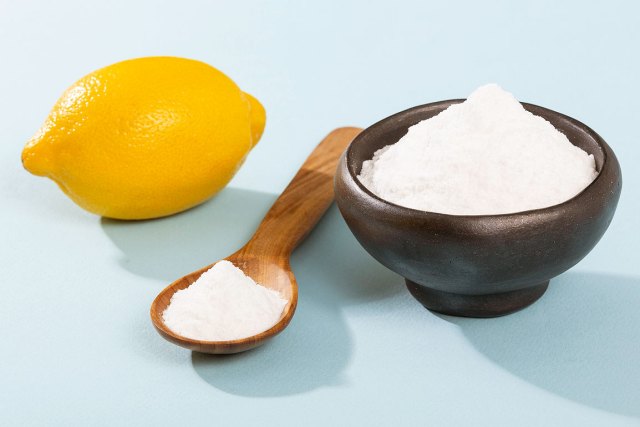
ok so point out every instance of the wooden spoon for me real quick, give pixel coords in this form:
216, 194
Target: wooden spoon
265, 258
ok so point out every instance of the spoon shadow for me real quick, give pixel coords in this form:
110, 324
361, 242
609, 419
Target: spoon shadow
580, 341
332, 271
295, 362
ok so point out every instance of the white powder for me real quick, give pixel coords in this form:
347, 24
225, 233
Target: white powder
223, 304
487, 155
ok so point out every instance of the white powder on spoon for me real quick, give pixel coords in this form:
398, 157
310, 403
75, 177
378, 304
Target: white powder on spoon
223, 304
487, 155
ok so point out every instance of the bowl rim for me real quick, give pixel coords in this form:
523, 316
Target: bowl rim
430, 214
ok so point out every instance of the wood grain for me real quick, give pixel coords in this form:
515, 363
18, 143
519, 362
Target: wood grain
265, 257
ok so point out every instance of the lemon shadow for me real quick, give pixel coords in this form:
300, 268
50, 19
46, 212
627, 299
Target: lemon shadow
332, 271
580, 341
170, 247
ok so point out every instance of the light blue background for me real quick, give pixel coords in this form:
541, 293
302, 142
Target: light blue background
76, 341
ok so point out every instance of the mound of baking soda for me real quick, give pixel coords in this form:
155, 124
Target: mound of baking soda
485, 156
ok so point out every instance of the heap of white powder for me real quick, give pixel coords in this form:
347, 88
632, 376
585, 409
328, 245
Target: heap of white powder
487, 155
223, 304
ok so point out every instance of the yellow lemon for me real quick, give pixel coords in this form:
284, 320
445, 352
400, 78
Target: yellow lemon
146, 137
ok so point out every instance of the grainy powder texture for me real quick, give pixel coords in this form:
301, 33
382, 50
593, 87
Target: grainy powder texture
487, 155
223, 304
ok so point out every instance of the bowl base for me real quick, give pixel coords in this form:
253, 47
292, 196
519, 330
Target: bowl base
491, 305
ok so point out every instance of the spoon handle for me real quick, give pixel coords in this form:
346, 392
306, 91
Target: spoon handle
304, 201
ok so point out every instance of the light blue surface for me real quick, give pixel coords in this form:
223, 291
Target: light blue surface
77, 344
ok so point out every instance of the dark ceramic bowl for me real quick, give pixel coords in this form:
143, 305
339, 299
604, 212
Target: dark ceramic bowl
482, 265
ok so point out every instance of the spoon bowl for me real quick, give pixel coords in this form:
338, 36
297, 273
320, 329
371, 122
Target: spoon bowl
265, 258
274, 273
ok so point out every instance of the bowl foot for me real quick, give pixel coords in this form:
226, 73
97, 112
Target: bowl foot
491, 305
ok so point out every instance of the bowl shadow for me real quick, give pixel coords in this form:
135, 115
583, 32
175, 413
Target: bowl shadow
581, 341
331, 269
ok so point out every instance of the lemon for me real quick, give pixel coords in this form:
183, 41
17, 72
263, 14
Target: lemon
147, 137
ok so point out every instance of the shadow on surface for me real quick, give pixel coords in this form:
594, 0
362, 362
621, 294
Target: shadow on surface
332, 271
580, 341
168, 248
312, 352
331, 268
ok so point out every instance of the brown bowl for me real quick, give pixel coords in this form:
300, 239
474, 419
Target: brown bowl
477, 265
